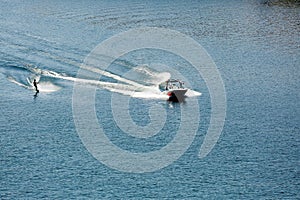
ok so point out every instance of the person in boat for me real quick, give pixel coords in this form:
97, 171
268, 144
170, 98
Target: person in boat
167, 83
35, 86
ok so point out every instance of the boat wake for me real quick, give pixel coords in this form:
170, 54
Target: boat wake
146, 87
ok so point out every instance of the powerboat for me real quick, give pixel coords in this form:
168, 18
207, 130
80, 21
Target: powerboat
174, 89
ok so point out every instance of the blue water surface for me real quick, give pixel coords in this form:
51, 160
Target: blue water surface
256, 50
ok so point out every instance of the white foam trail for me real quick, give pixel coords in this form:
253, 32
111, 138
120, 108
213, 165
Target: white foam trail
108, 74
11, 79
192, 93
133, 89
150, 76
150, 95
47, 87
113, 87
126, 87
42, 86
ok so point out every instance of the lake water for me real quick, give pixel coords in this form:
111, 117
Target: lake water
44, 149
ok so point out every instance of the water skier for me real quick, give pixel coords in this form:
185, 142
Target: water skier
35, 85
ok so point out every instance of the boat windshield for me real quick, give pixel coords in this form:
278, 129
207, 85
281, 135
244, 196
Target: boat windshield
174, 84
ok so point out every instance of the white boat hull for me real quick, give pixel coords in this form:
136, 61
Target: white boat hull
177, 95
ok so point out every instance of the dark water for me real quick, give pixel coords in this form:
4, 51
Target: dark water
254, 46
